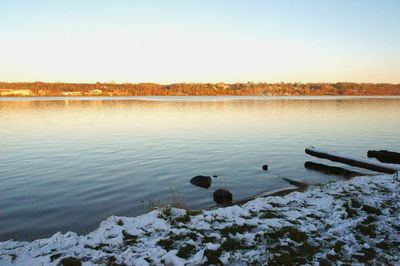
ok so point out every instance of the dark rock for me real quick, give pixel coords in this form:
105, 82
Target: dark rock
222, 196
265, 167
201, 181
70, 261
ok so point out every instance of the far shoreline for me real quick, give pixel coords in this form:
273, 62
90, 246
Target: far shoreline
197, 89
196, 98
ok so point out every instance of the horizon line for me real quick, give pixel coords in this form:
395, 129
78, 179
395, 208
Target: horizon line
205, 82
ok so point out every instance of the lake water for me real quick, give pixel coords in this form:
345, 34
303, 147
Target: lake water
68, 163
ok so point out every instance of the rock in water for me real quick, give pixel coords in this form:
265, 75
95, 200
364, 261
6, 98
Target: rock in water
201, 181
265, 167
222, 196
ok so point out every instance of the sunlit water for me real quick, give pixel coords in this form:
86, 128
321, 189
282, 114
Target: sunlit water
67, 164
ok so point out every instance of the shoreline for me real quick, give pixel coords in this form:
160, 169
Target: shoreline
353, 221
196, 98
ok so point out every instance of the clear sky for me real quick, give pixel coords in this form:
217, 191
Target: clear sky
200, 41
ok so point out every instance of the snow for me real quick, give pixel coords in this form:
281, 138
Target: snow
355, 221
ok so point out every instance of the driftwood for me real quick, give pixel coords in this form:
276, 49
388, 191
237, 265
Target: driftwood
278, 192
353, 161
295, 183
331, 170
385, 156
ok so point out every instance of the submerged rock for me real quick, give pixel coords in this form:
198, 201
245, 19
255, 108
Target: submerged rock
222, 196
201, 181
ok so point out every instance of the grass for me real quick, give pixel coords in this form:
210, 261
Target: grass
396, 227
98, 247
292, 254
291, 232
165, 244
234, 229
190, 235
369, 219
268, 214
175, 201
232, 244
128, 238
13, 257
213, 256
186, 251
55, 256
371, 210
182, 219
275, 205
166, 214
108, 261
350, 211
70, 261
193, 212
229, 245
338, 246
209, 239
369, 254
369, 230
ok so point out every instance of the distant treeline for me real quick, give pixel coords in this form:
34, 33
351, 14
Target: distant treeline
185, 89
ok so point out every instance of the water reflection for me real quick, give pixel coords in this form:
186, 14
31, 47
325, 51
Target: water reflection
68, 164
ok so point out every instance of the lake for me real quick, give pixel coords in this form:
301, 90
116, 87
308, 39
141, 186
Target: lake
68, 163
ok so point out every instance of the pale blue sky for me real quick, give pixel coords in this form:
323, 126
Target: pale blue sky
200, 41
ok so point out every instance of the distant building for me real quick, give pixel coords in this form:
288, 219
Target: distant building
95, 92
71, 93
11, 92
43, 92
6, 92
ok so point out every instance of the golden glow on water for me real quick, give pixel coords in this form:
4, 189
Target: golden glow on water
200, 115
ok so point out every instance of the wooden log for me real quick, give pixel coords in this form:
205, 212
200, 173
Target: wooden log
278, 192
295, 183
331, 170
385, 156
353, 161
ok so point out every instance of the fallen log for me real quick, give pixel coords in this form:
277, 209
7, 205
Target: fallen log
295, 183
385, 156
353, 161
331, 170
277, 192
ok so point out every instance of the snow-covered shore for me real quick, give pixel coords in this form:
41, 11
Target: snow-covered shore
355, 221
